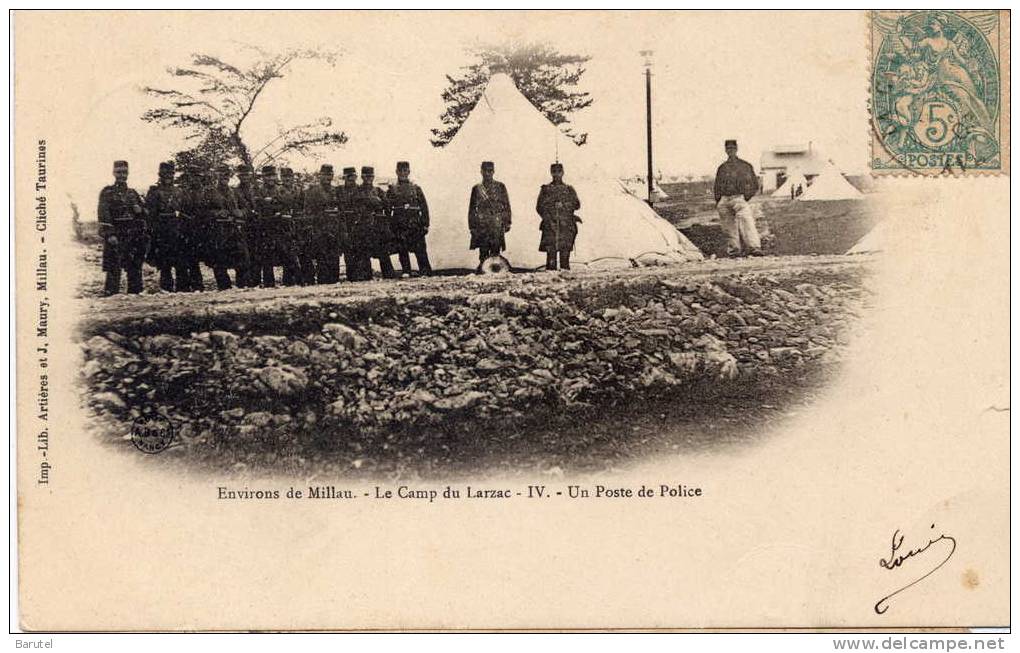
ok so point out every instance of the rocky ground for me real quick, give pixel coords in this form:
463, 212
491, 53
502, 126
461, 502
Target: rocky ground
434, 377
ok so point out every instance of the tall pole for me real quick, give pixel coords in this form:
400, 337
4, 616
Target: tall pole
648, 120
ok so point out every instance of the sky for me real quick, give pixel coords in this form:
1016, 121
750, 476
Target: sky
764, 78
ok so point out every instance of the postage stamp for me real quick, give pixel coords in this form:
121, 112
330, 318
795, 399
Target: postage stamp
939, 92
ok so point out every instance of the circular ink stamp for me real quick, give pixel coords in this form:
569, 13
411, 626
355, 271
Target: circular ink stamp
936, 91
152, 433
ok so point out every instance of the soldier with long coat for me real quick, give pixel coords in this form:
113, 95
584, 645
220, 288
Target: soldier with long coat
166, 246
124, 232
274, 236
228, 246
372, 235
195, 211
244, 199
322, 210
357, 265
410, 213
556, 204
489, 215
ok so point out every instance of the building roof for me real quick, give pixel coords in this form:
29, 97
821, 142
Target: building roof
810, 161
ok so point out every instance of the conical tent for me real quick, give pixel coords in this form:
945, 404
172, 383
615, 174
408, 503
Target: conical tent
831, 185
795, 179
873, 241
508, 130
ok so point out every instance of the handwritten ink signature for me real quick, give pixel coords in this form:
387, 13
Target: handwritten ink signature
897, 557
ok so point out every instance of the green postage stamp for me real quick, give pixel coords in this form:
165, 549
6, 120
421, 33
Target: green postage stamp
939, 92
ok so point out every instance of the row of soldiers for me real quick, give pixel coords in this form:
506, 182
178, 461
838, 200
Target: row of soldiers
252, 228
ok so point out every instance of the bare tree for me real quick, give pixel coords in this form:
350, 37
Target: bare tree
212, 101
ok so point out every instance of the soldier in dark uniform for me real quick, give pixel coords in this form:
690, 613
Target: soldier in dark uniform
293, 194
357, 267
323, 211
227, 244
193, 229
291, 200
123, 230
375, 233
163, 212
556, 204
274, 239
488, 215
244, 199
410, 214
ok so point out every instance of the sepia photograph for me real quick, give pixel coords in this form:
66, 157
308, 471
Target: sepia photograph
292, 278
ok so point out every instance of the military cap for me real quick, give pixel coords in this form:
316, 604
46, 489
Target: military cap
350, 171
367, 170
243, 169
730, 142
326, 168
166, 166
488, 164
556, 166
120, 164
403, 165
286, 172
268, 171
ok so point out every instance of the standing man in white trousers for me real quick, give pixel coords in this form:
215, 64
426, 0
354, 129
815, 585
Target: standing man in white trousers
735, 185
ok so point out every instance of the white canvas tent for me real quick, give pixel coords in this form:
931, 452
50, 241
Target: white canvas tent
795, 179
830, 185
507, 129
873, 241
639, 189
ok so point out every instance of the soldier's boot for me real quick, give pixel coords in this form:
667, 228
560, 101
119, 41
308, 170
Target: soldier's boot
181, 281
268, 276
291, 274
424, 266
222, 277
166, 278
405, 261
307, 265
241, 277
483, 253
112, 285
550, 260
386, 266
564, 259
329, 268
134, 279
194, 276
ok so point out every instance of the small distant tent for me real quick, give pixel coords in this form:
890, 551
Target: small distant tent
830, 185
795, 179
639, 189
873, 241
505, 128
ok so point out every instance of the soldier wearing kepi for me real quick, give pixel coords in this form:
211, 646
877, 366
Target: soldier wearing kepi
194, 234
410, 220
123, 230
244, 198
291, 200
357, 266
323, 211
228, 247
488, 215
273, 233
557, 202
163, 212
377, 239
735, 185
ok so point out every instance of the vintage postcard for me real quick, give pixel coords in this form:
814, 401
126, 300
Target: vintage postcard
513, 320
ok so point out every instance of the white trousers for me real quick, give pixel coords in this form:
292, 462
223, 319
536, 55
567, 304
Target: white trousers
737, 220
